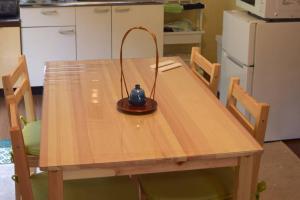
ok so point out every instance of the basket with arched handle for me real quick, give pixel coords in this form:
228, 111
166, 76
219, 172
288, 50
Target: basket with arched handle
123, 104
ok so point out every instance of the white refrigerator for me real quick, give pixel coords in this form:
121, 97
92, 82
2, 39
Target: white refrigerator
266, 57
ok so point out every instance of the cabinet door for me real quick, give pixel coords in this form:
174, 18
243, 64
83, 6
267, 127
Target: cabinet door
10, 49
93, 32
46, 44
138, 43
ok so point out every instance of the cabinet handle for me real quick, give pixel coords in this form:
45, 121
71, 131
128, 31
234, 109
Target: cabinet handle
122, 9
98, 10
67, 32
49, 12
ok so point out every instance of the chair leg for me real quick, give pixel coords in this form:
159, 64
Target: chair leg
142, 195
17, 192
256, 166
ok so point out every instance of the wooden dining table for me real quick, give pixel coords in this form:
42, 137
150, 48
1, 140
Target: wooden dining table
85, 136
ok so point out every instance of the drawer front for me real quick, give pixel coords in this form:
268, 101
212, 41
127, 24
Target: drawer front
50, 16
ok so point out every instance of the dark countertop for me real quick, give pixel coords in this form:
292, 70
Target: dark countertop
10, 22
67, 3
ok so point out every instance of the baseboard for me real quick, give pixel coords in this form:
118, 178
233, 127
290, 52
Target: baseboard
35, 91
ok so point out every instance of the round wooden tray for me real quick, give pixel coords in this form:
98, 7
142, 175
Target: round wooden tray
149, 107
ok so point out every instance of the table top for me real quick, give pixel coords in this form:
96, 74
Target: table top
82, 127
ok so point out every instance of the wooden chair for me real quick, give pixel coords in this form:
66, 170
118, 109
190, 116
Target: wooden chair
34, 186
258, 111
216, 183
19, 79
208, 68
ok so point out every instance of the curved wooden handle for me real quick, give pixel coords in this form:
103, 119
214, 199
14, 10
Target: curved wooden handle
152, 94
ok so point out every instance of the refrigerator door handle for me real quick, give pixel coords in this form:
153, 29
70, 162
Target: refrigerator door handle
237, 62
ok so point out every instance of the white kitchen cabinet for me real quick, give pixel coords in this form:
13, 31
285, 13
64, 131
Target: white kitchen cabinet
41, 44
93, 32
48, 16
47, 34
10, 49
87, 32
138, 43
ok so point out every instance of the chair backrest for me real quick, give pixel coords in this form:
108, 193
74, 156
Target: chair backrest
212, 69
17, 88
14, 94
259, 111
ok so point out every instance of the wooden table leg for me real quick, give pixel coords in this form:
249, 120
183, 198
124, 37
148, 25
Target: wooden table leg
244, 179
55, 185
256, 166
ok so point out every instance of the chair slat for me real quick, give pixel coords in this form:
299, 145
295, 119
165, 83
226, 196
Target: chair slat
20, 91
19, 71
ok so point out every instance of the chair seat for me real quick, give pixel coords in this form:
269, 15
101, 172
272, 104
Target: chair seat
208, 184
112, 188
31, 134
